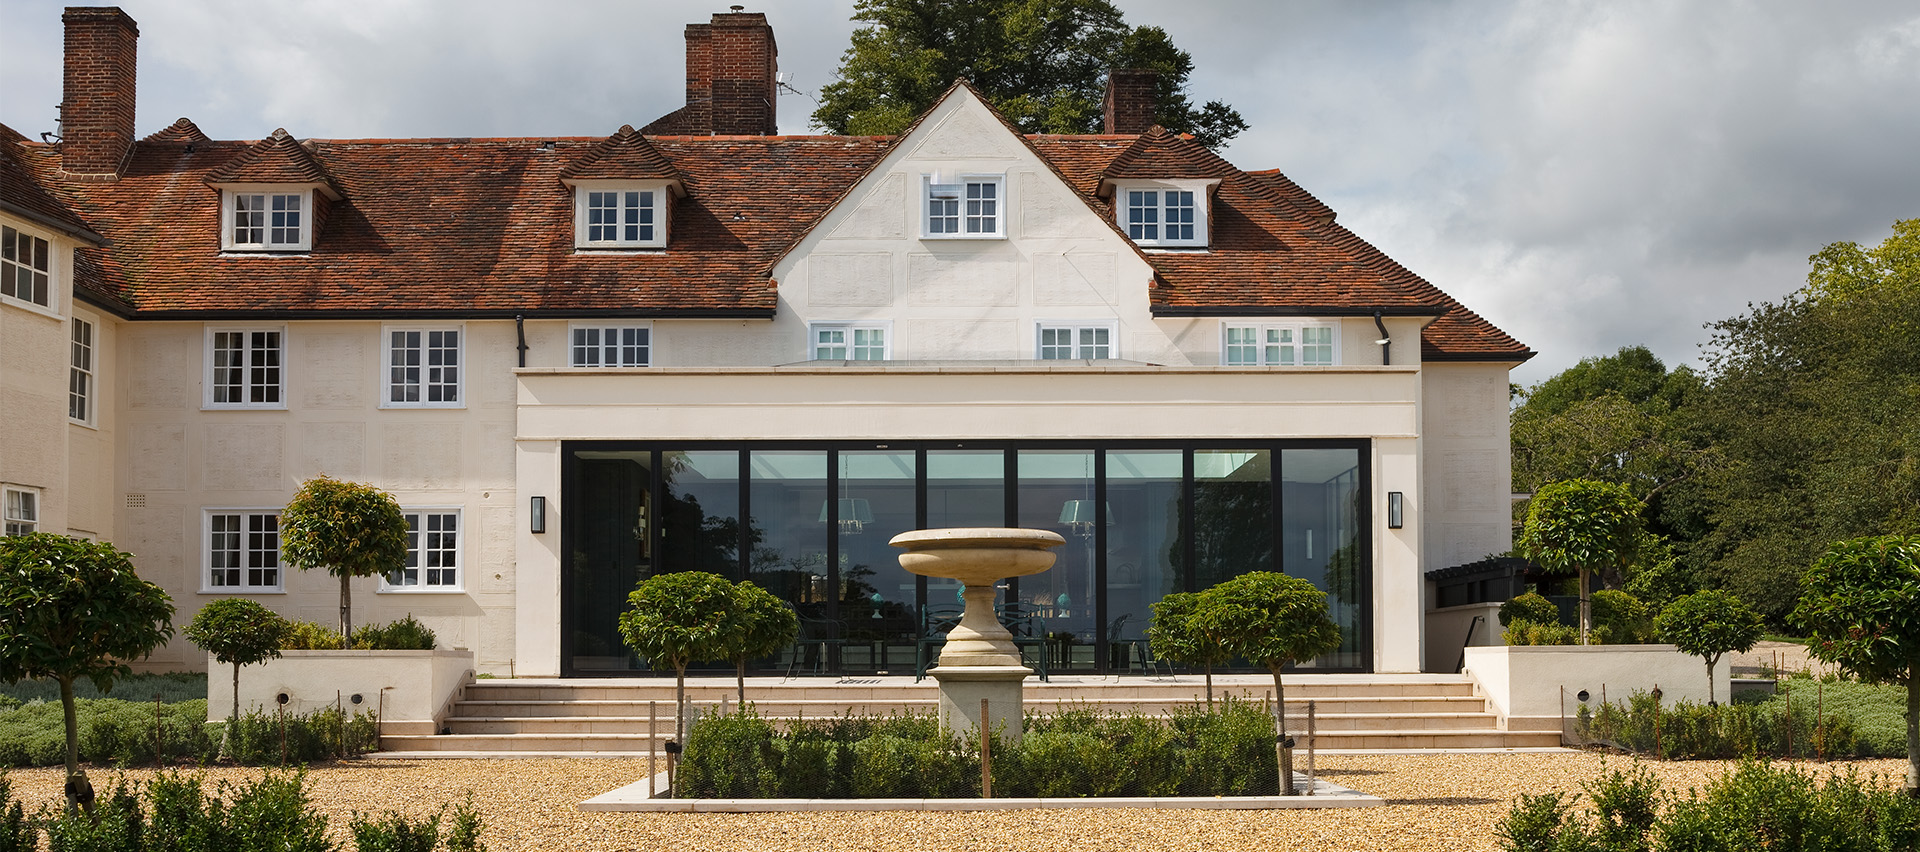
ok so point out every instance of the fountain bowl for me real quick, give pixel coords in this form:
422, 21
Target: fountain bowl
977, 556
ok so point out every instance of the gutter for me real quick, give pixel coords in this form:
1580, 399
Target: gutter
1385, 341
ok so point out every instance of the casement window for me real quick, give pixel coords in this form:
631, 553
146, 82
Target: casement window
610, 345
1279, 345
614, 216
422, 367
433, 552
1071, 342
1169, 214
970, 206
26, 267
266, 220
80, 373
20, 509
849, 342
245, 368
243, 550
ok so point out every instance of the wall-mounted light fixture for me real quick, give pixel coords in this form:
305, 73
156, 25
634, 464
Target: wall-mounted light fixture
1396, 510
537, 520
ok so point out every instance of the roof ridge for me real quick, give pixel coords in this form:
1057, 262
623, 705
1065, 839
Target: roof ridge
624, 155
279, 158
181, 130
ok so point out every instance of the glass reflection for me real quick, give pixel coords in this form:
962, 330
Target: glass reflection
1056, 493
700, 523
1320, 537
1143, 551
789, 556
1232, 514
606, 517
876, 615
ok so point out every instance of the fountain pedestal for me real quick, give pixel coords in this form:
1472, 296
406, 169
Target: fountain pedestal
979, 660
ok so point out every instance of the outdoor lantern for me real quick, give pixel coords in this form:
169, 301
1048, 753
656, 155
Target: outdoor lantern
1396, 511
1078, 514
855, 514
538, 520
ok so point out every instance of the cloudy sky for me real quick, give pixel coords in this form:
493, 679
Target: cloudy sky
1587, 175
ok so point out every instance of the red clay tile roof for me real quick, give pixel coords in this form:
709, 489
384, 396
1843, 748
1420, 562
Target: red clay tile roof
625, 155
22, 195
181, 130
483, 227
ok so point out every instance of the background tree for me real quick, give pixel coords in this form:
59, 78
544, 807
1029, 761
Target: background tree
71, 608
1174, 636
350, 529
1273, 621
1861, 604
677, 619
764, 624
1708, 624
1579, 526
238, 632
1042, 63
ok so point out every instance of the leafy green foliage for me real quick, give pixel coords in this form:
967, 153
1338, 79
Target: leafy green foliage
1708, 624
393, 831
1269, 619
680, 618
349, 529
1685, 730
1625, 620
122, 733
170, 687
1529, 607
1042, 63
1176, 637
1524, 632
1861, 604
310, 636
268, 814
1580, 526
407, 634
238, 632
763, 625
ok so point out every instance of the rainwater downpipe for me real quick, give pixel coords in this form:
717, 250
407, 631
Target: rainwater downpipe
1385, 341
520, 328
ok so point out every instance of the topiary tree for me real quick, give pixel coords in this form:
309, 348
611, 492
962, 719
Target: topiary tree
1621, 619
350, 529
239, 632
1271, 620
1173, 636
764, 624
1529, 607
677, 619
71, 608
1861, 604
1581, 526
1708, 624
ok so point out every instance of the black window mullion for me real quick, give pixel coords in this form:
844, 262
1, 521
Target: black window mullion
1276, 495
743, 565
833, 535
1010, 499
920, 523
1099, 567
1189, 550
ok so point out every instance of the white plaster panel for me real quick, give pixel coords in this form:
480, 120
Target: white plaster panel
881, 215
1047, 210
1473, 482
493, 555
334, 371
491, 355
850, 280
157, 457
963, 338
420, 455
1153, 348
1077, 278
961, 280
966, 134
90, 483
1471, 406
162, 369
337, 449
244, 456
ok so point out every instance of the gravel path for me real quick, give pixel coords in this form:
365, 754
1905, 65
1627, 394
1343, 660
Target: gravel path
1436, 802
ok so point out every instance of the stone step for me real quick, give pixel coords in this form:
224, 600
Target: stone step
889, 689
822, 707
506, 725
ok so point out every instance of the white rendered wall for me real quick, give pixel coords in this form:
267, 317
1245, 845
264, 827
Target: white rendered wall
1466, 455
34, 445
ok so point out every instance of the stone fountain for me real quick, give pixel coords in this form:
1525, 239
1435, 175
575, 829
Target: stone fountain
979, 660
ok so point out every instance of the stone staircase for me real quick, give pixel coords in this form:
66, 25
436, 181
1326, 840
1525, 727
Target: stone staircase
608, 717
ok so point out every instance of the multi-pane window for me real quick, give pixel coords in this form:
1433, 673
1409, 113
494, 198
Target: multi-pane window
21, 512
243, 550
25, 264
80, 373
849, 343
620, 216
1276, 345
246, 369
267, 220
423, 367
1163, 216
433, 551
610, 346
970, 207
1069, 342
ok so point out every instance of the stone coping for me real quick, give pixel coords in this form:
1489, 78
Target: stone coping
633, 798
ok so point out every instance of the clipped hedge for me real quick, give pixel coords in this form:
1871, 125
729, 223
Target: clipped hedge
123, 733
1775, 728
407, 634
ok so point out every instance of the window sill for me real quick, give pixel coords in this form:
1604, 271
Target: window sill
408, 590
47, 311
1156, 248
83, 424
422, 406
942, 238
237, 590
620, 250
265, 252
280, 407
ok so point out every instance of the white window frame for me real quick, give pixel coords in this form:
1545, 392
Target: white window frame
1082, 340
249, 557
83, 345
1124, 212
41, 269
19, 509
588, 346
964, 191
1280, 344
850, 340
653, 213
429, 375
263, 369
424, 574
270, 225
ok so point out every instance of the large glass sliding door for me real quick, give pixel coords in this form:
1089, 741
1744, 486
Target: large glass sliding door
1057, 493
878, 612
1145, 562
1322, 499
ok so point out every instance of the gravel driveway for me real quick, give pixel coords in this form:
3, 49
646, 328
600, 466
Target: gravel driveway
1438, 802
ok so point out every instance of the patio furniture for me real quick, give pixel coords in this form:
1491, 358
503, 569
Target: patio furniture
934, 624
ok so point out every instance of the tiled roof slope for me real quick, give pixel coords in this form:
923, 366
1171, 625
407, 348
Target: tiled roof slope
276, 159
21, 193
483, 227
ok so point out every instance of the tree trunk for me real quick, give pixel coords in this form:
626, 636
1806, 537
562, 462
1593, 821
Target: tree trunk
236, 691
1913, 732
1209, 687
679, 728
346, 612
1280, 728
76, 780
1710, 696
740, 679
1586, 609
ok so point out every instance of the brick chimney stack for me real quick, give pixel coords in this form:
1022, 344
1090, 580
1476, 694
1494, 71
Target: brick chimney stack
731, 72
96, 110
1129, 105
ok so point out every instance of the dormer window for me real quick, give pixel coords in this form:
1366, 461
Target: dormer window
964, 207
267, 219
608, 215
1163, 213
